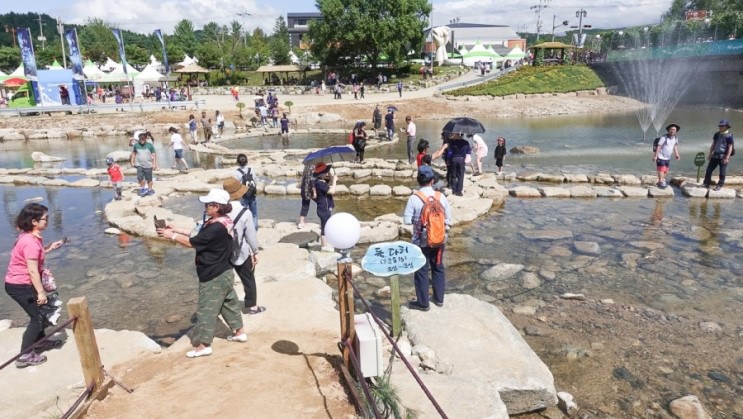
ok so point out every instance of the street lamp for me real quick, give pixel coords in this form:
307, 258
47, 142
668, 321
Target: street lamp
580, 14
564, 23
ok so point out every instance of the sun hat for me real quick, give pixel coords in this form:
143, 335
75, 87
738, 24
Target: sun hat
425, 174
678, 128
216, 196
235, 188
321, 168
724, 122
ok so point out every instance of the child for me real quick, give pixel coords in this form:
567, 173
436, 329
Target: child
116, 176
176, 141
192, 129
422, 152
284, 125
481, 150
500, 152
53, 307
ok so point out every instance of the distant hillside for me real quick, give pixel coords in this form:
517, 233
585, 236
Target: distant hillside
531, 80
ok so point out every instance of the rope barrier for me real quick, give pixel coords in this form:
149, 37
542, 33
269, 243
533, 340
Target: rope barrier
364, 385
39, 342
347, 277
79, 400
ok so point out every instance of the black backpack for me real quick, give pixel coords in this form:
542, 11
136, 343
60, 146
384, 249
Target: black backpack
655, 144
236, 242
248, 180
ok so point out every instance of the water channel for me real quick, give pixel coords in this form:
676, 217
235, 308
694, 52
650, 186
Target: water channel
680, 256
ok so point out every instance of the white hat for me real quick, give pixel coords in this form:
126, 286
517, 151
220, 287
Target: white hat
217, 196
137, 134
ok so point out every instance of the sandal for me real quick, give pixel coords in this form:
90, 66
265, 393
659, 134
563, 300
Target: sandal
301, 225
257, 310
238, 338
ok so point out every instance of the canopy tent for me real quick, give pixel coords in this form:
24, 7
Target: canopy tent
19, 72
131, 70
515, 54
56, 65
463, 49
110, 64
479, 53
291, 68
154, 61
497, 57
92, 72
150, 74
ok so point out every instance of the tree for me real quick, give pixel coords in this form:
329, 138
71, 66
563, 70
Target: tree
183, 36
280, 47
10, 58
97, 42
368, 28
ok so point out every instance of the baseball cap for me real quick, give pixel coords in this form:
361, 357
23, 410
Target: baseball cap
109, 160
217, 196
724, 122
425, 174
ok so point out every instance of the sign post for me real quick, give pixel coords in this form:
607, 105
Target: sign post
393, 259
699, 160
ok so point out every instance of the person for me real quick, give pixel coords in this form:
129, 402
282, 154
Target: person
377, 119
284, 125
338, 91
248, 239
274, 111
192, 129
144, 159
500, 153
458, 150
434, 256
323, 189
64, 95
213, 245
305, 191
263, 112
158, 94
719, 154
206, 127
359, 140
176, 141
23, 280
399, 87
481, 150
362, 89
116, 176
219, 118
423, 146
322, 87
409, 131
666, 144
355, 90
235, 93
243, 174
389, 123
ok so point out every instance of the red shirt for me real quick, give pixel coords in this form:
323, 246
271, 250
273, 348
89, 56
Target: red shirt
419, 159
115, 172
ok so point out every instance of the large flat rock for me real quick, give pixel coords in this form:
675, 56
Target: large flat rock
489, 353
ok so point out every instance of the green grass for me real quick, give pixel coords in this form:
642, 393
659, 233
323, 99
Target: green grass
531, 80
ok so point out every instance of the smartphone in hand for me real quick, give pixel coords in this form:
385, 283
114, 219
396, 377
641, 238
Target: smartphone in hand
158, 223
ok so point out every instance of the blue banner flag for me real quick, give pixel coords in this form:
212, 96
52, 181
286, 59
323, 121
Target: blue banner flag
159, 36
76, 60
29, 60
122, 54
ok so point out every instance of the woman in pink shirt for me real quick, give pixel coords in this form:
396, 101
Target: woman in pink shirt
23, 280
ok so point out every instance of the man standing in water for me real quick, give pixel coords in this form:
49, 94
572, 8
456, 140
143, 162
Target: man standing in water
719, 154
666, 144
143, 158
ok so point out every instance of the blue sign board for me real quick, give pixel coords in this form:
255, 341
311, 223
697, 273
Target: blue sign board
393, 258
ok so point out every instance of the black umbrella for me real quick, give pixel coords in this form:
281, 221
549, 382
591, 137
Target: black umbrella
463, 125
392, 108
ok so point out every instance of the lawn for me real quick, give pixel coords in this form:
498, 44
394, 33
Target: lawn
531, 80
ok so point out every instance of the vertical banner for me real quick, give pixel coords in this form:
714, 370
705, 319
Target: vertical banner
78, 77
122, 54
159, 36
29, 60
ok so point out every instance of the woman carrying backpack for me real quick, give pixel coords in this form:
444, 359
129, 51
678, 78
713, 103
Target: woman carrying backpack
305, 191
244, 174
323, 189
359, 140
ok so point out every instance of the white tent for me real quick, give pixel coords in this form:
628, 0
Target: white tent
92, 72
150, 74
478, 54
2, 74
515, 54
110, 64
131, 70
19, 72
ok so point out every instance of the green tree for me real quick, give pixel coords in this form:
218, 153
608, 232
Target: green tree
96, 41
136, 55
210, 55
10, 58
279, 44
368, 28
183, 36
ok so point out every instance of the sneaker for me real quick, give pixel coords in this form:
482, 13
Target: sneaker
204, 352
238, 338
718, 187
415, 305
663, 185
142, 191
149, 192
439, 304
29, 360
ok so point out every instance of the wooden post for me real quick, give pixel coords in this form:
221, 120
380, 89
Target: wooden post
87, 347
346, 308
395, 296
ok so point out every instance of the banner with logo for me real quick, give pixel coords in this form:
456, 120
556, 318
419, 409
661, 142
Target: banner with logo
122, 54
29, 60
76, 60
159, 36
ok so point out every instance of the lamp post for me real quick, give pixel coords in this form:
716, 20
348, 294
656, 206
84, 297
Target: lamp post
580, 14
564, 23
343, 232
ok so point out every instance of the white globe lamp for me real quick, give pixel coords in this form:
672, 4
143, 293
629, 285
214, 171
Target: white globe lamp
343, 231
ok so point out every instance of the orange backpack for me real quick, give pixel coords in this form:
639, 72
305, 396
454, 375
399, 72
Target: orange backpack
433, 220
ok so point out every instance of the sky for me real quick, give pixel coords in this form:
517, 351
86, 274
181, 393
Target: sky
145, 16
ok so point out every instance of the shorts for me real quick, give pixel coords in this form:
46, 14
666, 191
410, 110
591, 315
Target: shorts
144, 174
662, 165
284, 130
221, 125
178, 154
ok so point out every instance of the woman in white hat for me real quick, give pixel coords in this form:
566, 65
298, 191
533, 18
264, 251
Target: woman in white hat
213, 245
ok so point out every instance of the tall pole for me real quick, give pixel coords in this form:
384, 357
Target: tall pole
553, 27
245, 30
12, 31
538, 10
580, 14
60, 28
41, 37
430, 32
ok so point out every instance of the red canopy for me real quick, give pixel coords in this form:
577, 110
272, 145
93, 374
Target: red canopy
14, 82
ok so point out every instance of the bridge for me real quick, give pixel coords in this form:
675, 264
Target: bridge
709, 72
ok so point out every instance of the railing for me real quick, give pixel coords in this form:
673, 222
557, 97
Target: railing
81, 109
87, 347
346, 291
475, 82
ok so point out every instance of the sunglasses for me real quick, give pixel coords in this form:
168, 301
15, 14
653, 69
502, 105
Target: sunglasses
210, 204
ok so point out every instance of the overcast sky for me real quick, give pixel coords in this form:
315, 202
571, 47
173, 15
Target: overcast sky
147, 15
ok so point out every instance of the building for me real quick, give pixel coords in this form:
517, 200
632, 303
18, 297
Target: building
299, 25
501, 37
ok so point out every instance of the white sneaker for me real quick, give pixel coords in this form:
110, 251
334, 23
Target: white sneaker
238, 338
195, 354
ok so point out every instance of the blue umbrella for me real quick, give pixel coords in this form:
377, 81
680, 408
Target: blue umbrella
330, 155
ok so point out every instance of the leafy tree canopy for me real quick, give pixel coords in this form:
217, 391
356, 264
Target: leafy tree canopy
280, 47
